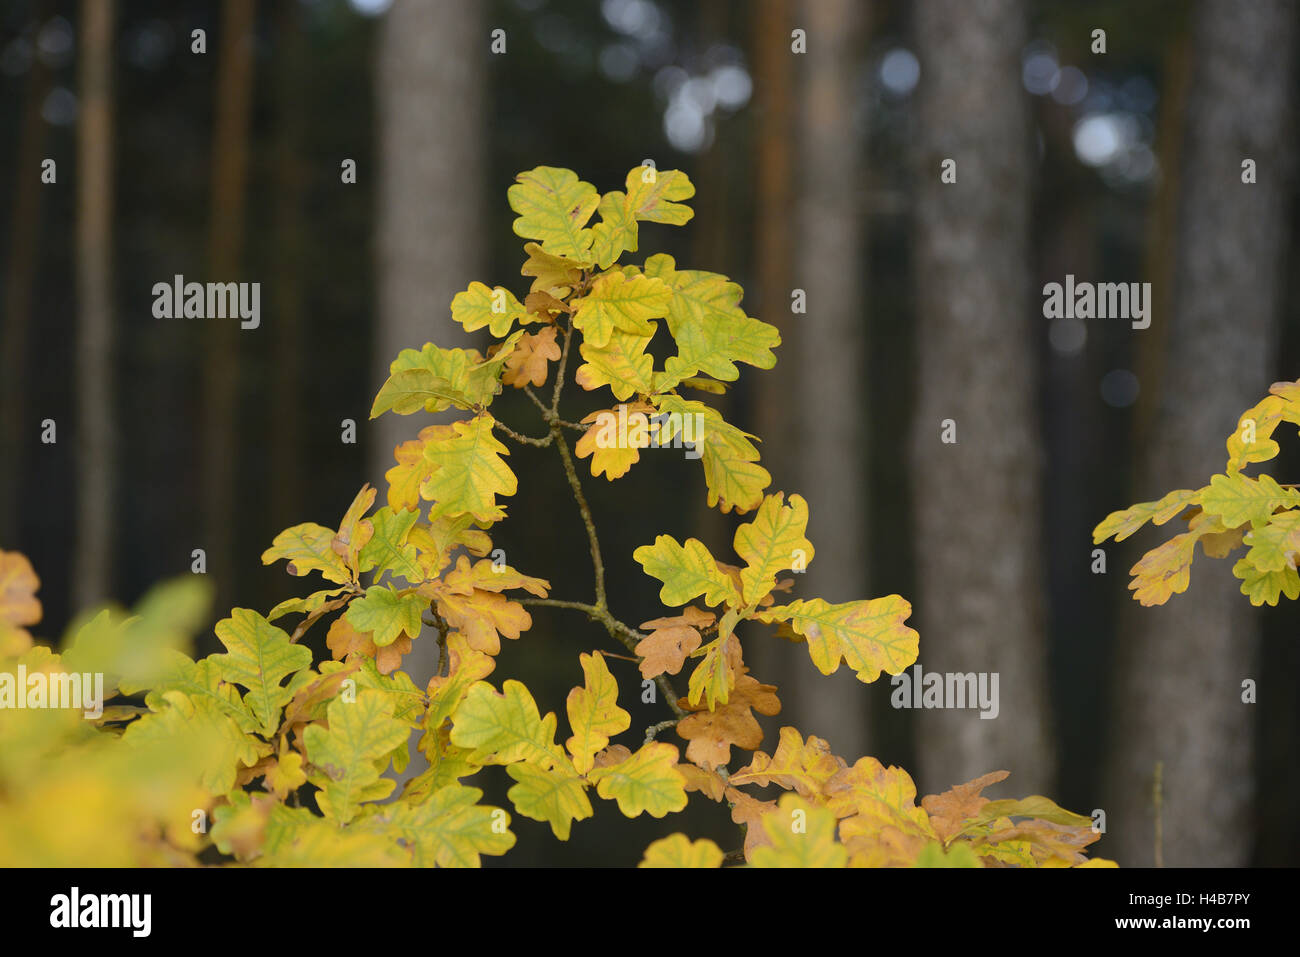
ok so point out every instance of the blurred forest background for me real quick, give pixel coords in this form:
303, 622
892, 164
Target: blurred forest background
816, 171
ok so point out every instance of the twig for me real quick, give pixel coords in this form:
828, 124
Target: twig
526, 439
528, 391
443, 629
654, 729
629, 637
594, 545
559, 372
1157, 795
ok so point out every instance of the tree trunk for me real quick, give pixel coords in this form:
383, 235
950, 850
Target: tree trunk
96, 448
1181, 673
16, 431
286, 298
829, 354
977, 506
430, 183
221, 366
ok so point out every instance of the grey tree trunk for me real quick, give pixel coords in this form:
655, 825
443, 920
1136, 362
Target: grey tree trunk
829, 349
1182, 665
96, 456
977, 501
429, 185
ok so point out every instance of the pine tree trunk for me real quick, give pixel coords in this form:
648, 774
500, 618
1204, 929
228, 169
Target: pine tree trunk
429, 236
829, 349
977, 512
225, 246
95, 425
1183, 663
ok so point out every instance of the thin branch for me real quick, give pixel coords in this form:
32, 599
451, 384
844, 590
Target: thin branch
562, 365
629, 637
528, 391
654, 729
594, 545
443, 630
526, 439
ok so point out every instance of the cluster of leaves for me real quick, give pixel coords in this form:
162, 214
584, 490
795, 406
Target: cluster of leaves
1232, 512
290, 756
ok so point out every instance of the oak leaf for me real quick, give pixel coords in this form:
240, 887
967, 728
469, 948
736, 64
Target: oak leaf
678, 850
593, 712
671, 641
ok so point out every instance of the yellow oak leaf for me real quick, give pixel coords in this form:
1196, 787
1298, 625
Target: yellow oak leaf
678, 850
870, 796
620, 363
19, 605
620, 302
354, 530
872, 845
1216, 540
479, 306
1125, 522
412, 468
308, 547
555, 795
1252, 442
1049, 843
554, 206
390, 550
482, 616
615, 438
502, 728
648, 781
487, 575
349, 756
960, 855
1164, 571
710, 328
287, 775
449, 829
870, 636
594, 713
386, 613
772, 542
719, 667
469, 472
688, 572
803, 767
1266, 587
1238, 499
801, 835
732, 474
553, 274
